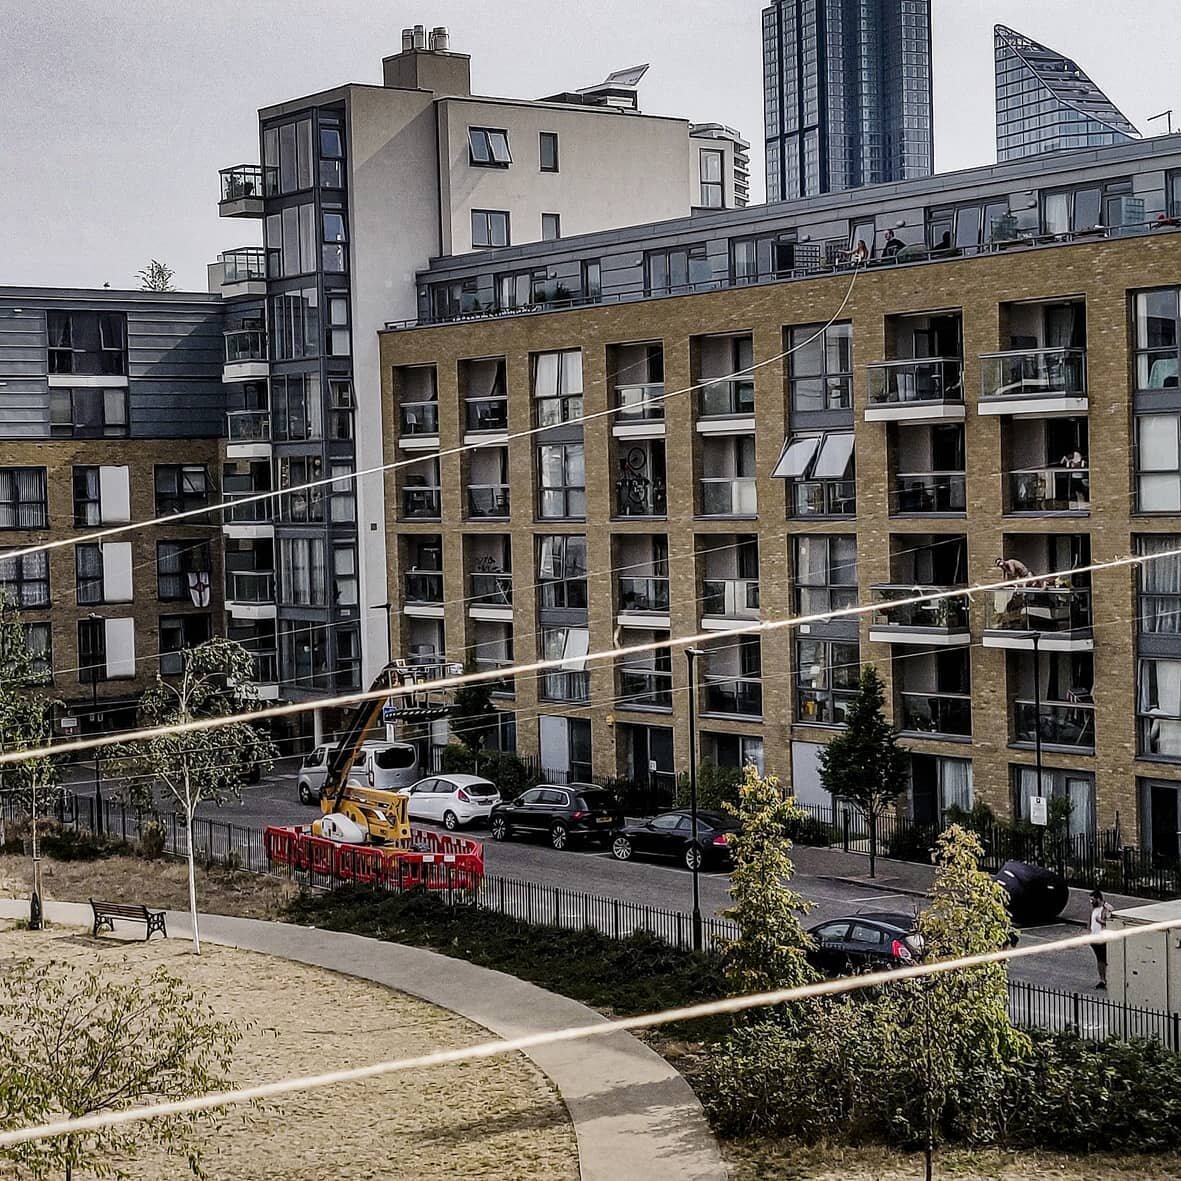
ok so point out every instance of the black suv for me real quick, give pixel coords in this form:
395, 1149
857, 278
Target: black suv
576, 811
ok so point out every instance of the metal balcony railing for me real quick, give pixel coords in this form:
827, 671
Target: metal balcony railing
1034, 373
254, 512
422, 502
721, 497
1051, 489
648, 687
927, 493
492, 590
424, 586
247, 180
740, 696
730, 598
565, 686
638, 497
731, 395
1061, 723
931, 379
488, 500
487, 414
266, 667
937, 713
247, 264
824, 498
250, 586
638, 402
245, 344
824, 707
944, 615
1039, 609
643, 594
248, 426
418, 418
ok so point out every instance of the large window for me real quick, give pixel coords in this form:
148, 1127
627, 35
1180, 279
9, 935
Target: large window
821, 471
182, 571
548, 150
561, 571
825, 573
181, 487
88, 509
24, 581
88, 574
1158, 463
1157, 339
752, 259
23, 498
177, 634
490, 228
713, 188
562, 477
291, 241
295, 325
680, 269
827, 674
1160, 586
302, 505
87, 343
92, 650
87, 413
303, 575
488, 147
557, 386
331, 157
334, 252
1075, 787
1158, 707
297, 412
821, 367
551, 227
287, 155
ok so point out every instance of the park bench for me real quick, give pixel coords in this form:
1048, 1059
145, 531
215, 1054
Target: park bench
105, 914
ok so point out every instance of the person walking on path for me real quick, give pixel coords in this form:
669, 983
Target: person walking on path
1101, 911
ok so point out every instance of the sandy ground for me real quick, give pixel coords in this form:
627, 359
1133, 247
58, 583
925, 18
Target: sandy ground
499, 1118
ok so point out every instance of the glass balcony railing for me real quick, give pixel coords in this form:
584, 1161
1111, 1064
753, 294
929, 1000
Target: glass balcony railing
1052, 489
565, 686
492, 590
824, 498
248, 180
824, 707
488, 500
740, 696
940, 615
645, 687
254, 512
424, 586
638, 497
487, 414
639, 403
721, 497
248, 426
643, 594
902, 383
925, 493
418, 418
1039, 609
422, 502
730, 598
1061, 723
730, 396
250, 586
266, 667
1034, 373
245, 344
936, 713
506, 685
245, 265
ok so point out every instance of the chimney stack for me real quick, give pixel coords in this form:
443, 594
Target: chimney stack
407, 40
419, 37
440, 39
427, 62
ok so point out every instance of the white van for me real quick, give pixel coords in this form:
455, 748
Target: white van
388, 765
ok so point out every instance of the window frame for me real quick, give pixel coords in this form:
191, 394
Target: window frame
551, 227
568, 577
191, 557
37, 507
711, 186
483, 217
19, 588
188, 499
550, 138
828, 377
571, 496
828, 693
89, 589
828, 595
496, 151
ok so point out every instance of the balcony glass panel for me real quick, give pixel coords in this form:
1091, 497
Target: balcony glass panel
934, 379
734, 395
635, 402
245, 344
266, 667
643, 594
248, 265
565, 686
505, 685
1040, 609
941, 614
733, 695
722, 497
488, 500
1050, 490
493, 590
1062, 723
649, 687
730, 598
424, 586
637, 496
824, 498
926, 493
418, 418
1034, 373
252, 513
487, 414
937, 713
251, 586
247, 180
422, 502
249, 426
823, 707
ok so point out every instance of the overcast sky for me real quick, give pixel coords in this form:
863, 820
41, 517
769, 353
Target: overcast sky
119, 113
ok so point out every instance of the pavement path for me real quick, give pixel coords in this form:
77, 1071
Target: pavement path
633, 1114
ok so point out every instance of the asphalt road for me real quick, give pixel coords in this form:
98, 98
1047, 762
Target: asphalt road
593, 871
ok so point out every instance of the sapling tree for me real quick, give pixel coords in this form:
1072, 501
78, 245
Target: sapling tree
156, 276
201, 766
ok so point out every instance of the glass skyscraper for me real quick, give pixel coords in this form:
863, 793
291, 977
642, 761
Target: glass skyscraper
1044, 102
847, 91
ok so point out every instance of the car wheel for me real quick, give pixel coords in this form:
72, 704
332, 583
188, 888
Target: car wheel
305, 794
621, 849
499, 829
692, 857
450, 821
559, 836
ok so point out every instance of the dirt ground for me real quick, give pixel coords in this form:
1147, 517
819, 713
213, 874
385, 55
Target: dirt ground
765, 1160
162, 885
499, 1118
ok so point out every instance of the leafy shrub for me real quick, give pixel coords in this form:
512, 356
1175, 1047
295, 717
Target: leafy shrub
68, 844
506, 770
716, 786
151, 840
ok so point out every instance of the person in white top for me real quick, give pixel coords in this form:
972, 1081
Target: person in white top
1100, 912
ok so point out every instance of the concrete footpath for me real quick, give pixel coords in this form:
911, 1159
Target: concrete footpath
634, 1116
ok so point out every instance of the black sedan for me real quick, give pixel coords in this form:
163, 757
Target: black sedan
865, 942
565, 813
671, 835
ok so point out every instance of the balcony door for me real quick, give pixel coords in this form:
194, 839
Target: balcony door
1163, 820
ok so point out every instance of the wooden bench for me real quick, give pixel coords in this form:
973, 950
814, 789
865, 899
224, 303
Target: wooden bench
105, 914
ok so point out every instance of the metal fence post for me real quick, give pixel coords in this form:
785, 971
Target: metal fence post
845, 821
557, 907
615, 915
1175, 1022
1076, 1008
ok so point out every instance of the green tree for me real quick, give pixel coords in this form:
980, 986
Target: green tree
156, 276
770, 951
716, 786
26, 722
204, 765
75, 1043
865, 765
473, 716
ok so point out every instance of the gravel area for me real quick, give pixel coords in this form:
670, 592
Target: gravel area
499, 1118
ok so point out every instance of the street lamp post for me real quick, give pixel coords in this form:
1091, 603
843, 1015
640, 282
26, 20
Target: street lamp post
691, 655
1037, 723
98, 777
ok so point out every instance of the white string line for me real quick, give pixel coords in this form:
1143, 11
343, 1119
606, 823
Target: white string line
483, 1050
755, 627
500, 441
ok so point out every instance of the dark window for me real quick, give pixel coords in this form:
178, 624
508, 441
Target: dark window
557, 387
561, 571
821, 367
88, 574
23, 502
297, 412
175, 561
88, 414
488, 147
827, 674
302, 505
87, 343
713, 189
295, 324
592, 280
490, 228
821, 471
181, 487
25, 580
548, 148
177, 633
87, 497
39, 641
562, 480
331, 158
334, 252
92, 650
551, 227
825, 573
683, 268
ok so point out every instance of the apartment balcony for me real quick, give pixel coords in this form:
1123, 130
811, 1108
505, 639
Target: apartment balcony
933, 715
266, 675
928, 494
1049, 490
422, 596
644, 603
488, 502
422, 502
740, 697
504, 686
243, 189
721, 497
248, 434
246, 356
637, 414
729, 601
639, 497
1032, 383
418, 426
487, 419
253, 520
824, 498
573, 687
937, 623
243, 272
250, 594
645, 688
1066, 724
491, 597
726, 407
927, 390
1059, 618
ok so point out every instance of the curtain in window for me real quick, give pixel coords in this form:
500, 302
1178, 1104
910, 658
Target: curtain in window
31, 511
89, 567
1027, 788
1162, 577
545, 375
955, 784
1081, 793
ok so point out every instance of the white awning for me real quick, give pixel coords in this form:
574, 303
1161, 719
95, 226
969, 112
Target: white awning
796, 455
833, 461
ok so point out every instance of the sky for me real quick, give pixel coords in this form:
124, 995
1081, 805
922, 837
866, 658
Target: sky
119, 113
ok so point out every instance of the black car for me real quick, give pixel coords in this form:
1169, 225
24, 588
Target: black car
671, 835
575, 811
865, 942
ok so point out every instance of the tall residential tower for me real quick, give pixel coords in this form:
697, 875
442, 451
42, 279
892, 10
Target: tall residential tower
847, 92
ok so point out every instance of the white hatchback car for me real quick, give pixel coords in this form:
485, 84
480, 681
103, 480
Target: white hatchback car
452, 800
